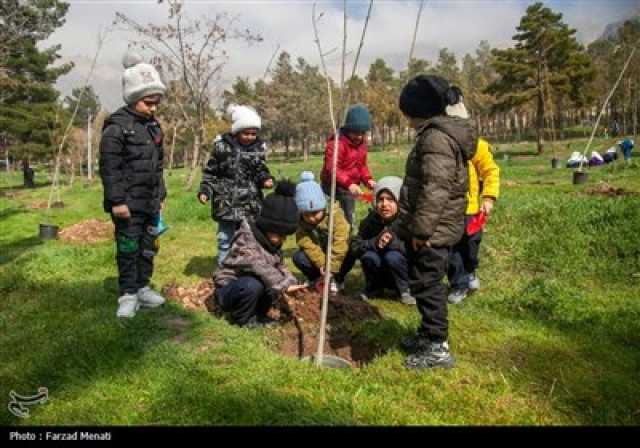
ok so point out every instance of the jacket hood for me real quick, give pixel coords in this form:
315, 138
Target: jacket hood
124, 116
459, 129
233, 141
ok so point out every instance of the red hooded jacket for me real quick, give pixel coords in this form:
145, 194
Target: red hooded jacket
352, 163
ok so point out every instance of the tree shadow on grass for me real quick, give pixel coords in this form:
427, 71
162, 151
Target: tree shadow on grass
216, 400
586, 381
201, 266
66, 337
12, 211
9, 252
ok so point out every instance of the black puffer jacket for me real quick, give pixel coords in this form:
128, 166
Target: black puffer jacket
369, 232
433, 198
131, 158
233, 179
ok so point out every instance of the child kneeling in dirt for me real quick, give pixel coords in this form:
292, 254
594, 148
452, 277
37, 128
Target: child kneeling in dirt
313, 234
253, 274
382, 254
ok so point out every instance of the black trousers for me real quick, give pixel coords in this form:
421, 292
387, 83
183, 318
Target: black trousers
427, 268
136, 246
464, 258
346, 200
244, 298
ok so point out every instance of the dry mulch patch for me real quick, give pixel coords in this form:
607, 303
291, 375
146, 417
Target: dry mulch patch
88, 232
605, 189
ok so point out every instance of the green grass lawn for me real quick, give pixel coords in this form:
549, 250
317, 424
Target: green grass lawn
552, 338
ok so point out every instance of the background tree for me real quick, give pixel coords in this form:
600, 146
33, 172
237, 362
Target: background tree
546, 51
193, 51
88, 104
28, 99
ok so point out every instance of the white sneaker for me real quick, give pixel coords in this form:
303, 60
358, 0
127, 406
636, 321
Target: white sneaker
150, 298
333, 287
474, 282
128, 305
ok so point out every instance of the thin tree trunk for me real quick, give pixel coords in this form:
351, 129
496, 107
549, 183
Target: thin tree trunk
173, 146
194, 160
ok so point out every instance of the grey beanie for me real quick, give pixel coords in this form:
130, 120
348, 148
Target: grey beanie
392, 184
139, 79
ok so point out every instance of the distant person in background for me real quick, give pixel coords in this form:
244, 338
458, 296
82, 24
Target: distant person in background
484, 189
28, 175
235, 175
352, 170
626, 146
131, 157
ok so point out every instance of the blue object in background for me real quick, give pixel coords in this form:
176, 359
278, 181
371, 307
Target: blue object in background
626, 146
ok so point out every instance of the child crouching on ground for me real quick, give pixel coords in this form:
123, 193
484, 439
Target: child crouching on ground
382, 254
313, 234
253, 274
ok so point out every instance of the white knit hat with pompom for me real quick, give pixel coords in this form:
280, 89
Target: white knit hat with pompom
139, 79
243, 117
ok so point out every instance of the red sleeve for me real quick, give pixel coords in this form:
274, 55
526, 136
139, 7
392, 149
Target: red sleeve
365, 174
342, 179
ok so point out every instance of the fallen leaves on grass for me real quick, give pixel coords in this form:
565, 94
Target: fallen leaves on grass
193, 297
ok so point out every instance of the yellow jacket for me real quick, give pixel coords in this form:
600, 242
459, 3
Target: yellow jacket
313, 240
482, 167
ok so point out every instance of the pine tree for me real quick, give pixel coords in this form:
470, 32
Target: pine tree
546, 60
29, 108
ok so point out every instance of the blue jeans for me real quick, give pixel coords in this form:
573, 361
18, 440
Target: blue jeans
388, 269
243, 298
226, 230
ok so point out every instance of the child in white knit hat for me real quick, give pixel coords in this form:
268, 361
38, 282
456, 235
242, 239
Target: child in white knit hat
131, 155
235, 175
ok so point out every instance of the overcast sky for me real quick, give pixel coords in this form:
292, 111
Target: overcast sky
456, 24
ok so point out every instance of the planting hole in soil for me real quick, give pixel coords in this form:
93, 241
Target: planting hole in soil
299, 323
298, 334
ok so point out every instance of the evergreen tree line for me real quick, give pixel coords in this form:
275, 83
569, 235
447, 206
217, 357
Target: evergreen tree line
546, 87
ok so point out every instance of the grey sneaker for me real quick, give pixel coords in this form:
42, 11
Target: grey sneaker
457, 296
149, 298
474, 282
128, 305
340, 286
436, 355
407, 298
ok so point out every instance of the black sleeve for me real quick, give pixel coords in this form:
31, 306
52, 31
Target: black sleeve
262, 173
210, 173
111, 165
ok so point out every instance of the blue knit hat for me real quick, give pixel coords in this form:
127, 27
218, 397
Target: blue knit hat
358, 119
309, 194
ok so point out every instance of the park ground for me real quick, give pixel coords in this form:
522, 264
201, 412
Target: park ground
552, 338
